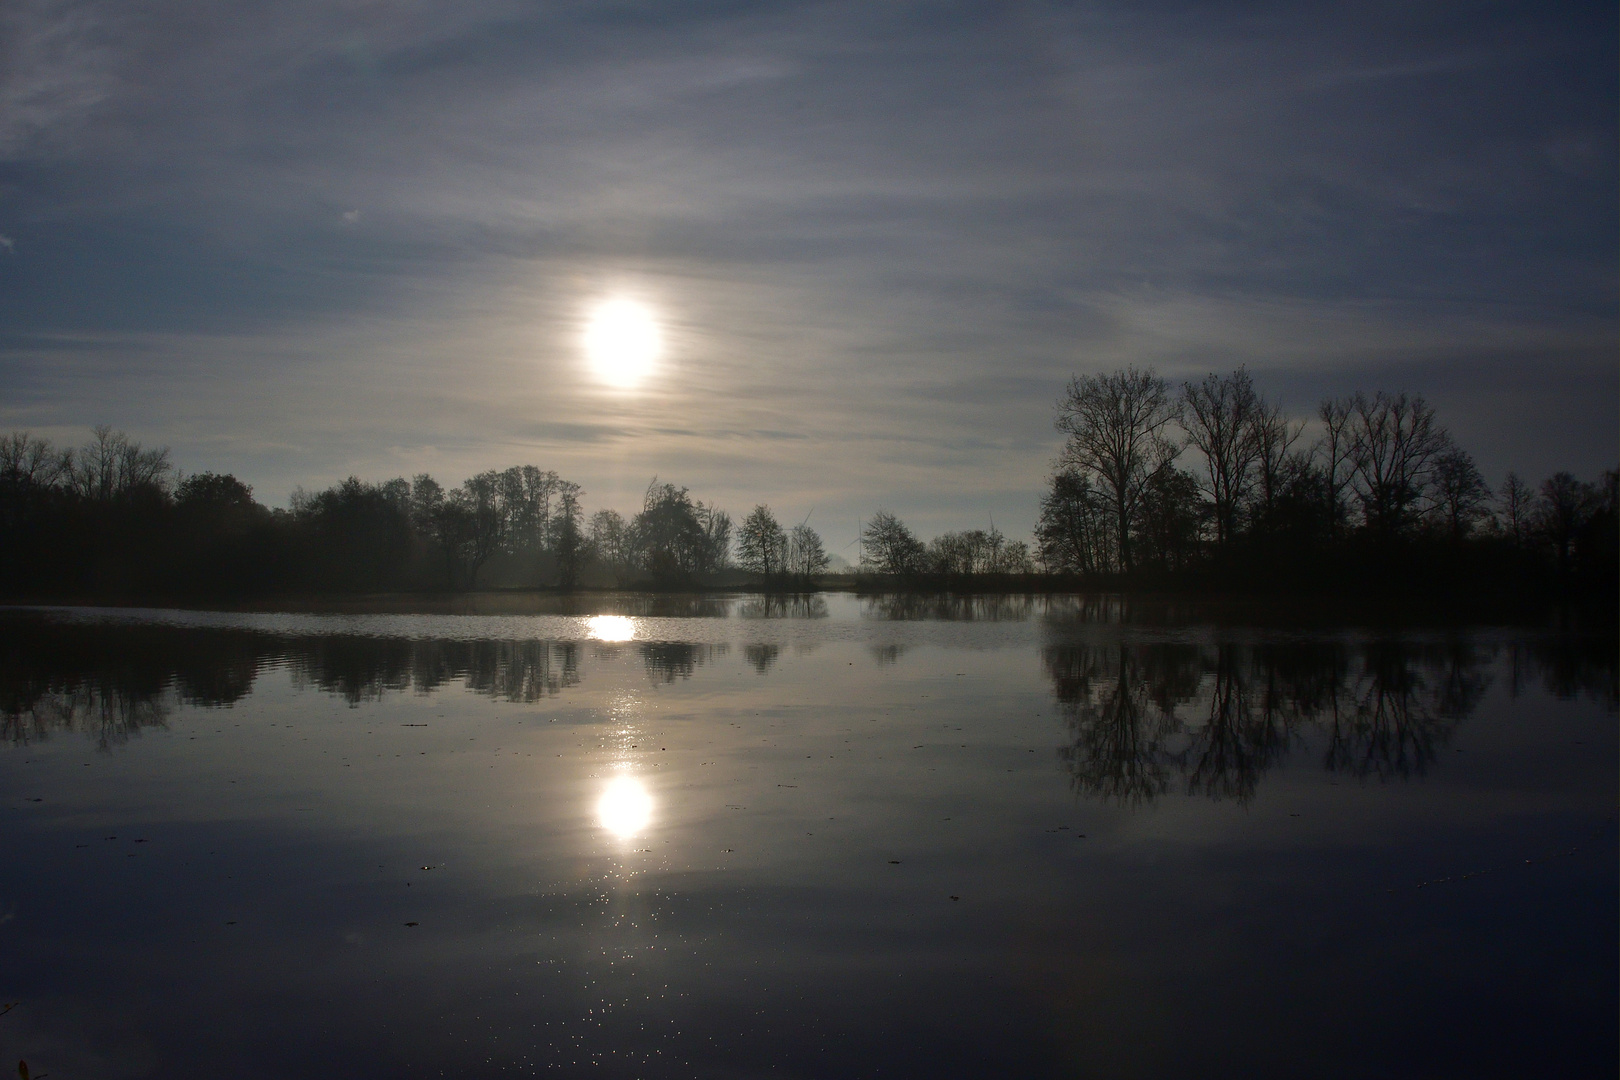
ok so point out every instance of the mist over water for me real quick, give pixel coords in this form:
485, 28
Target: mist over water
811, 836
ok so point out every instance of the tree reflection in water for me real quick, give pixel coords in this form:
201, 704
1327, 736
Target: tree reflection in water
113, 681
784, 606
1212, 719
667, 661
948, 607
1144, 718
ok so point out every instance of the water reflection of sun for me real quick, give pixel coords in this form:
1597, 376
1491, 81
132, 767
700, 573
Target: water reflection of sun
610, 627
625, 808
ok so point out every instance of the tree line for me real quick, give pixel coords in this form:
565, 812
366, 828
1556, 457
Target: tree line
112, 517
1384, 495
1203, 485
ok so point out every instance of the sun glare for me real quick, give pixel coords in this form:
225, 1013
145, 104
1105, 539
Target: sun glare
622, 342
610, 628
625, 808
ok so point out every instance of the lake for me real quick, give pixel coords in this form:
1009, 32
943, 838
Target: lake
821, 836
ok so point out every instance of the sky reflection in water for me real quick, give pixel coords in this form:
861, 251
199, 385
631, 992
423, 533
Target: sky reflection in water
818, 836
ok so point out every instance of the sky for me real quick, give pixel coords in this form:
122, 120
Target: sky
304, 239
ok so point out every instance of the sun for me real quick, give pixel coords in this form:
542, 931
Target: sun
622, 342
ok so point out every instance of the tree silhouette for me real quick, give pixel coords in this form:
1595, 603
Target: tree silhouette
889, 547
1219, 415
1461, 494
806, 558
761, 543
1396, 440
1116, 428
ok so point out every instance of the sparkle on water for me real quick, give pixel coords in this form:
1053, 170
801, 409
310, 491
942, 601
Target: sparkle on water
625, 808
610, 627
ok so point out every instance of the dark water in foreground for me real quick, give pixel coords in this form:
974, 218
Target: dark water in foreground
820, 838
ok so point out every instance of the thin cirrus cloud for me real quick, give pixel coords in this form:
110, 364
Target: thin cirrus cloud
303, 240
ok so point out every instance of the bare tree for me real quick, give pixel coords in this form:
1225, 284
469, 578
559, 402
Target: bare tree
609, 539
668, 535
761, 543
26, 461
1334, 448
716, 537
1115, 425
568, 537
806, 556
1564, 506
1274, 436
112, 465
1218, 415
1516, 500
480, 523
889, 547
1073, 536
1396, 442
1461, 494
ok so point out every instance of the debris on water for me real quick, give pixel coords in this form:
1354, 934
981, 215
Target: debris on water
956, 898
894, 862
230, 922
410, 924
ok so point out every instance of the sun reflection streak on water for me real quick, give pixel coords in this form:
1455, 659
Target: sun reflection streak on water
610, 627
625, 808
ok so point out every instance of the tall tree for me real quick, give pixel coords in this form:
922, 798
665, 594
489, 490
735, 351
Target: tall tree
1273, 436
1116, 427
1334, 449
716, 547
806, 556
111, 465
889, 547
609, 539
1516, 501
1072, 535
761, 543
1396, 441
480, 523
26, 461
668, 535
568, 539
1461, 494
1218, 416
1562, 510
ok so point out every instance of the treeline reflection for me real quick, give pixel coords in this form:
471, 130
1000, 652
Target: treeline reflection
111, 682
1148, 719
1141, 719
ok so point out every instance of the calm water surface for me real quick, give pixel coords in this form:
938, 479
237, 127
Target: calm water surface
822, 837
